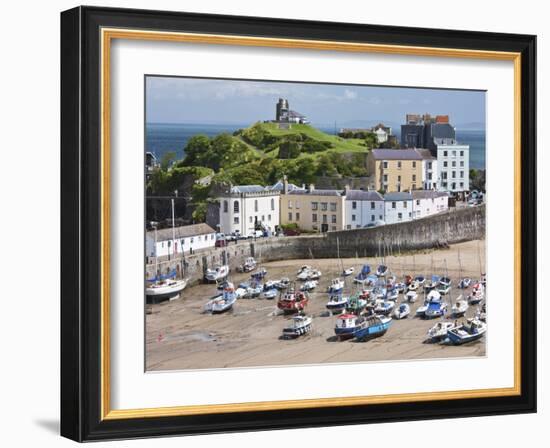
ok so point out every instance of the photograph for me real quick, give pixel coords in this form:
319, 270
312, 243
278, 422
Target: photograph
300, 223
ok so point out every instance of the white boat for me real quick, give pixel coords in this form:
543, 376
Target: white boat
314, 274
414, 285
383, 307
392, 294
303, 275
477, 295
439, 330
382, 270
465, 283
240, 292
309, 285
270, 294
299, 325
270, 284
222, 303
253, 291
303, 268
402, 311
436, 306
248, 265
411, 296
165, 289
336, 285
337, 303
444, 285
460, 307
400, 287
420, 280
217, 274
471, 331
283, 283
347, 272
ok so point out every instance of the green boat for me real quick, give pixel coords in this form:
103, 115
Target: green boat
356, 304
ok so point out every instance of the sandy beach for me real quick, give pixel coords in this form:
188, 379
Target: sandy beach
180, 336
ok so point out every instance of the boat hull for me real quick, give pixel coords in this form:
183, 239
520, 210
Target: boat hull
372, 331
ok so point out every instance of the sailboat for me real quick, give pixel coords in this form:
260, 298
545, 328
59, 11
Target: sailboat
460, 307
222, 303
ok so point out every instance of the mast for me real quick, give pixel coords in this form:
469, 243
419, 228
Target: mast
156, 255
173, 230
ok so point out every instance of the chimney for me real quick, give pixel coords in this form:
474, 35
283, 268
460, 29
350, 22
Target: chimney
346, 189
285, 184
311, 187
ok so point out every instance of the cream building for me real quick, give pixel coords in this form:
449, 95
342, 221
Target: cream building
312, 209
395, 169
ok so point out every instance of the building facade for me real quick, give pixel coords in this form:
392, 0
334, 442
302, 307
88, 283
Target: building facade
395, 169
453, 167
313, 210
429, 170
429, 202
183, 239
246, 208
363, 208
398, 207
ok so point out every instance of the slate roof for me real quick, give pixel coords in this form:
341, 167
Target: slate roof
182, 232
247, 189
318, 192
427, 194
362, 195
398, 196
396, 154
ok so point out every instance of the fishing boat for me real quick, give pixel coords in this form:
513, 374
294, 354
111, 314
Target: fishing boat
439, 330
374, 326
299, 325
283, 283
347, 325
444, 285
270, 294
222, 303
336, 285
473, 330
382, 270
347, 272
217, 274
384, 307
465, 283
436, 306
402, 311
292, 301
420, 280
164, 289
411, 296
259, 274
248, 265
309, 285
337, 303
363, 275
356, 304
460, 307
477, 295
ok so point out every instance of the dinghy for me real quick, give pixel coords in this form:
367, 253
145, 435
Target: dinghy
347, 272
374, 326
337, 303
392, 294
460, 307
222, 303
314, 274
471, 331
400, 287
299, 325
439, 330
407, 279
414, 285
258, 275
363, 275
216, 274
382, 270
270, 294
402, 311
347, 325
444, 285
465, 283
420, 280
254, 291
432, 283
477, 295
292, 301
383, 307
270, 284
248, 265
336, 286
411, 296
240, 293
390, 281
436, 306
303, 275
309, 285
283, 283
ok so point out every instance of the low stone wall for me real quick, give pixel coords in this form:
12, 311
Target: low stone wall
436, 231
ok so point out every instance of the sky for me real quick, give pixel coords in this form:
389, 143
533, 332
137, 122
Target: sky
217, 101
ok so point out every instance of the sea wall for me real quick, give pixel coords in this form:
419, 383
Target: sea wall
438, 231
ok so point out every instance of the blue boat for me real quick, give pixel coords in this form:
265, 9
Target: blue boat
222, 303
347, 325
337, 302
436, 307
472, 331
362, 276
374, 326
258, 275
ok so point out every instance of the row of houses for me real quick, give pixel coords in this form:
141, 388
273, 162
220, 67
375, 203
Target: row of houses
243, 209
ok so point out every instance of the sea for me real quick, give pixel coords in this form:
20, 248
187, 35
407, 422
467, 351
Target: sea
164, 137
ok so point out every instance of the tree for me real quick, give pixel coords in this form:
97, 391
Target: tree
371, 141
167, 159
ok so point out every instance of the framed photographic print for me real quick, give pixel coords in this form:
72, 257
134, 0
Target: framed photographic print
277, 224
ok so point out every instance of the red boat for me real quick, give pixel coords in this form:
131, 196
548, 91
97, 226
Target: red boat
292, 301
407, 280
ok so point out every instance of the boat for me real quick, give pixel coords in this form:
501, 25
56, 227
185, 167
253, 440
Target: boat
248, 265
217, 274
436, 306
473, 330
384, 307
254, 291
407, 279
303, 268
439, 330
420, 280
432, 283
270, 284
259, 274
378, 292
283, 283
292, 301
347, 325
299, 325
411, 296
460, 307
314, 274
421, 310
390, 281
165, 289
240, 292
269, 294
337, 303
382, 270
392, 294
444, 285
483, 279
347, 272
363, 275
303, 275
309, 285
477, 295
400, 287
336, 285
222, 303
374, 326
413, 286
402, 311
356, 304
465, 283
481, 313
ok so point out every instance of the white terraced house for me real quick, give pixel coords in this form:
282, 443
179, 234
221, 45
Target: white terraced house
398, 207
363, 208
181, 239
245, 208
453, 165
429, 202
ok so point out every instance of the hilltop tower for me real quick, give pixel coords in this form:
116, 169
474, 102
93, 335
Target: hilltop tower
282, 110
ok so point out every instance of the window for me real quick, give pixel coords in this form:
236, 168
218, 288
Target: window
225, 206
297, 204
314, 205
454, 153
380, 217
444, 175
333, 206
348, 227
429, 165
385, 177
398, 178
429, 176
453, 174
445, 164
333, 219
235, 220
414, 177
461, 163
314, 217
255, 205
354, 205
462, 174
385, 164
289, 204
325, 220
334, 228
400, 216
444, 153
269, 217
250, 220
263, 218
453, 164
192, 239
272, 204
413, 186
290, 216
399, 164
393, 205
297, 216
372, 218
353, 217
324, 206
236, 207
372, 205
404, 204
414, 164
418, 202
461, 153
461, 184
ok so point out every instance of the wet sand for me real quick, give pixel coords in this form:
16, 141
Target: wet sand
180, 336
